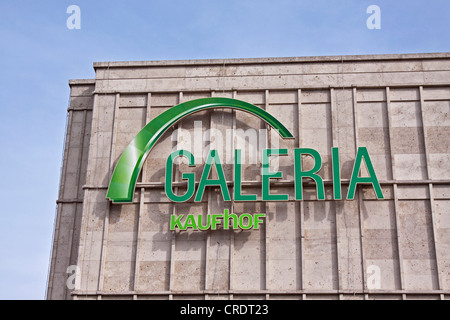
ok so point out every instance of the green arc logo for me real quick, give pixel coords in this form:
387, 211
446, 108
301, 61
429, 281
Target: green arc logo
123, 181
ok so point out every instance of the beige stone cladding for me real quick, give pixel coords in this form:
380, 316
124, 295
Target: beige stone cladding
398, 106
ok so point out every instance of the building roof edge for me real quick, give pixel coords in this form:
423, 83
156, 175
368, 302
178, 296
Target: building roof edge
374, 57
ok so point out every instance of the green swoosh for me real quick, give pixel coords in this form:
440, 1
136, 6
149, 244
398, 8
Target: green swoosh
123, 181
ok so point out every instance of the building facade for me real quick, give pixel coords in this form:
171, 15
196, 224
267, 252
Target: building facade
392, 247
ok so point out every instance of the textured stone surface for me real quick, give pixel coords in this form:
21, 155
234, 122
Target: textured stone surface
398, 106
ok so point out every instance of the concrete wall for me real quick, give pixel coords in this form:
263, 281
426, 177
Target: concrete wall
66, 239
397, 106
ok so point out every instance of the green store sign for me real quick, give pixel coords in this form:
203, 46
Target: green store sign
123, 181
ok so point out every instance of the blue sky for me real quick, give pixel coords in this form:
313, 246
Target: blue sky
39, 54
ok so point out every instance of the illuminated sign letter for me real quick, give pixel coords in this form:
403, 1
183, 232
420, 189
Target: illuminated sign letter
337, 190
267, 175
372, 178
189, 176
299, 174
238, 180
204, 181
